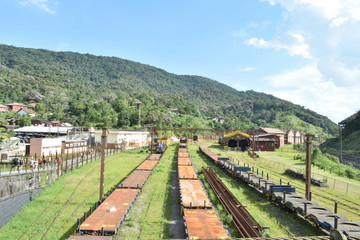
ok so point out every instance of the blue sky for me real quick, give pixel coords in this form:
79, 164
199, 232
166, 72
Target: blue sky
304, 51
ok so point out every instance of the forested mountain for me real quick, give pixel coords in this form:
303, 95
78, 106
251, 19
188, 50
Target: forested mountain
350, 140
95, 90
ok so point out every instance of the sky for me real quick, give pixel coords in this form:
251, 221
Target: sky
303, 51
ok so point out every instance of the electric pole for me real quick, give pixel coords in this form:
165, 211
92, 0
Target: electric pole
308, 138
102, 170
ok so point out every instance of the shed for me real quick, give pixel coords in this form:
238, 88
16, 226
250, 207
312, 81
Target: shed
276, 132
237, 140
265, 142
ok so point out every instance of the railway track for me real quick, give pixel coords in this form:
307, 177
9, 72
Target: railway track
244, 222
346, 204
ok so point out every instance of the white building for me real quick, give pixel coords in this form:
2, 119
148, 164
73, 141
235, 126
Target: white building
129, 139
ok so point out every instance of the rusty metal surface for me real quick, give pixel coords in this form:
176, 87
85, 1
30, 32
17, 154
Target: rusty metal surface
109, 215
193, 194
136, 179
291, 238
89, 237
183, 154
186, 172
147, 165
203, 224
184, 161
155, 157
242, 219
182, 145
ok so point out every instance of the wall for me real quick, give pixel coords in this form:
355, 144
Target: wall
10, 206
45, 146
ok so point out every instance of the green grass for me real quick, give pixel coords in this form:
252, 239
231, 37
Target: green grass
272, 163
53, 214
150, 214
280, 223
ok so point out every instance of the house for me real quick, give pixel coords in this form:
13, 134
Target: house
264, 142
289, 137
45, 146
236, 140
16, 106
276, 132
3, 108
297, 137
41, 123
217, 119
27, 111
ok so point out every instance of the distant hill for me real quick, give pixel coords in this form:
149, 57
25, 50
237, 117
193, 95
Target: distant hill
95, 90
350, 140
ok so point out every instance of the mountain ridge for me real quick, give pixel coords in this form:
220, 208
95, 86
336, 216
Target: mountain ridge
69, 78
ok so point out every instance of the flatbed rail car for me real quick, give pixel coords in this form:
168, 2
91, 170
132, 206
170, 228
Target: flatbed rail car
147, 165
106, 219
203, 224
285, 196
136, 179
200, 220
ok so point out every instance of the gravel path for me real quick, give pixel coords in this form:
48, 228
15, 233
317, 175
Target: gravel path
176, 228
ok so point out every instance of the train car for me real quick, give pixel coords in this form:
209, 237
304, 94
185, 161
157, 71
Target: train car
107, 218
184, 161
89, 237
136, 179
187, 172
203, 224
287, 197
147, 165
183, 154
154, 157
193, 194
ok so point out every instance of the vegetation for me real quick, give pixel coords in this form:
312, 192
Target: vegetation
105, 91
53, 214
280, 223
150, 216
341, 189
350, 140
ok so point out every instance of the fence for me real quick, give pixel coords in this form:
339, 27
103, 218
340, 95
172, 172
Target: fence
332, 183
27, 177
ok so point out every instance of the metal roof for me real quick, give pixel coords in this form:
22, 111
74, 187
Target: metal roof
36, 129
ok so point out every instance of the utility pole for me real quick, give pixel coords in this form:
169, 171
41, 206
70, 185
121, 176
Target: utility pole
308, 138
341, 126
139, 117
102, 170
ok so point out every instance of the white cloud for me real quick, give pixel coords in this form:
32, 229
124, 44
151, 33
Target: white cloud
307, 87
295, 78
292, 42
325, 33
45, 5
245, 69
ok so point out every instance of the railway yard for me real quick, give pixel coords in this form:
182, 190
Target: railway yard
192, 190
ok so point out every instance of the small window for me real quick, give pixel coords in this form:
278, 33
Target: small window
269, 144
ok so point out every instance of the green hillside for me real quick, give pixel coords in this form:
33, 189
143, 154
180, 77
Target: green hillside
350, 140
94, 90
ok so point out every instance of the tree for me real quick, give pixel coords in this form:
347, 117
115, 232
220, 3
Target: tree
25, 120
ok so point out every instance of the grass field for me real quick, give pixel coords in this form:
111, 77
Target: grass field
271, 163
150, 214
280, 223
54, 212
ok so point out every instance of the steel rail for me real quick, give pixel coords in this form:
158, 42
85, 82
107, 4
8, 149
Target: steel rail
244, 222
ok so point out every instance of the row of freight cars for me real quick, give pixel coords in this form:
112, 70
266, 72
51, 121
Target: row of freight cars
200, 219
107, 218
285, 196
